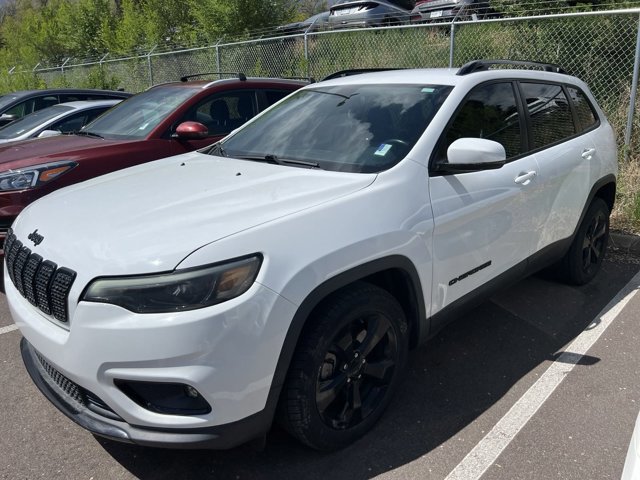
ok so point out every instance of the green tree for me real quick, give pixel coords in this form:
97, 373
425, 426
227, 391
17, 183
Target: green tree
235, 18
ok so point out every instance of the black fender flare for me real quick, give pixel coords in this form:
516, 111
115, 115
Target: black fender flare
398, 262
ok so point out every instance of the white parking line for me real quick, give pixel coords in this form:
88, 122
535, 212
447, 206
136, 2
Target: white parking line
485, 453
8, 329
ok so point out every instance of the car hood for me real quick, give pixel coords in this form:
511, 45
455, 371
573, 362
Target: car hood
35, 151
148, 218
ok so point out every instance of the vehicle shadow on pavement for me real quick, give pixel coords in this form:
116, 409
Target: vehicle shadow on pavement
484, 358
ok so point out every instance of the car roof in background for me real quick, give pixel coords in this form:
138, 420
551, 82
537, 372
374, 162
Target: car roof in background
82, 104
203, 84
54, 91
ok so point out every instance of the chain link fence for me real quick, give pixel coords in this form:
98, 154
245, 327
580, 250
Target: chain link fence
599, 47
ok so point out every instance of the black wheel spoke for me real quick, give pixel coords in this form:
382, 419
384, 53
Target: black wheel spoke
601, 232
377, 329
379, 370
355, 400
329, 390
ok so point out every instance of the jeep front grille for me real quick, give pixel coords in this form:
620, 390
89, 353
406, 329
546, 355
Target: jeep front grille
41, 282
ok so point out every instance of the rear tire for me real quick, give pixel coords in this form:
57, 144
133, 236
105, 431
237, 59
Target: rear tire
346, 367
584, 258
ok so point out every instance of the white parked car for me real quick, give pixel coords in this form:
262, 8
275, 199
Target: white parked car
287, 271
56, 120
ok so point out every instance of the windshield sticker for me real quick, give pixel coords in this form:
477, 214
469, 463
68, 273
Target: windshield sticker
383, 149
428, 90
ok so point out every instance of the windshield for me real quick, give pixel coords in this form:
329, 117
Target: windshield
31, 121
353, 128
136, 117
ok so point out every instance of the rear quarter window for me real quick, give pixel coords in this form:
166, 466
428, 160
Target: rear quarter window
585, 113
549, 112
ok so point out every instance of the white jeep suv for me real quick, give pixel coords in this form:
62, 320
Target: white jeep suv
286, 271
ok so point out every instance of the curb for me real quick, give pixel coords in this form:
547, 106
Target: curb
625, 242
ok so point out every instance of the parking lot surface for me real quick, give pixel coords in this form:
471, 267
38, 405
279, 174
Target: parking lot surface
459, 387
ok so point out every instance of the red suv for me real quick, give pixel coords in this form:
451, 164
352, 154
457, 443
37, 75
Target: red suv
165, 120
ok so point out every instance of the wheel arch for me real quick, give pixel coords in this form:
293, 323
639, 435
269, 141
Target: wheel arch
395, 274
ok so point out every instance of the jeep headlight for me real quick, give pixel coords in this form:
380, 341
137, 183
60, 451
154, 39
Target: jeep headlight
178, 291
32, 177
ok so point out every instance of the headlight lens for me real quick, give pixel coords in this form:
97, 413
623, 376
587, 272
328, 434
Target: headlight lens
32, 177
177, 291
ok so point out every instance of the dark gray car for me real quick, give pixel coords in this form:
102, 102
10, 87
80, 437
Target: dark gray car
367, 13
311, 24
435, 10
18, 104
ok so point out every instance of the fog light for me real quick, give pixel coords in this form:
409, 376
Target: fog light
191, 392
165, 398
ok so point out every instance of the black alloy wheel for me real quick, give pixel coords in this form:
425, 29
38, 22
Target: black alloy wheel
584, 258
346, 367
595, 241
356, 371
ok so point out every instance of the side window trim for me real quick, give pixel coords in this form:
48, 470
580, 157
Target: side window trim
523, 134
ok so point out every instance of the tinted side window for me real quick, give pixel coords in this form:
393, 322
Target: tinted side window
224, 112
70, 124
44, 102
274, 96
551, 118
584, 110
490, 112
77, 121
71, 97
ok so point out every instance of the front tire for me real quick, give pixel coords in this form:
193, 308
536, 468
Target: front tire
583, 261
346, 367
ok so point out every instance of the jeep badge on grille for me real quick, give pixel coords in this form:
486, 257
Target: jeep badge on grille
35, 237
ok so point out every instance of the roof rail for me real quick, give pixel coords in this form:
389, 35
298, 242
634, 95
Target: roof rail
358, 71
241, 76
484, 65
308, 79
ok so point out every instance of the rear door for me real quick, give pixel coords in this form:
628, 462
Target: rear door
486, 222
565, 153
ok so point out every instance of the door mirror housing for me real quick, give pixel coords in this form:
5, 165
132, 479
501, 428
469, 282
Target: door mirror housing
49, 133
191, 131
473, 154
6, 118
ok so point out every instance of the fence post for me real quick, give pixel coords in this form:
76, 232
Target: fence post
62, 66
452, 43
149, 65
102, 60
306, 47
218, 57
634, 93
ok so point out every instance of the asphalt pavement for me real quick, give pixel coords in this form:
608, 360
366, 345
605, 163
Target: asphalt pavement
460, 387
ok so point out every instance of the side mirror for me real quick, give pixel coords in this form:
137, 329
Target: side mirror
473, 154
49, 133
191, 131
5, 118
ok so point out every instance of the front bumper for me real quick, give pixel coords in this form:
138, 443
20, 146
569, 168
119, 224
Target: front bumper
227, 352
219, 437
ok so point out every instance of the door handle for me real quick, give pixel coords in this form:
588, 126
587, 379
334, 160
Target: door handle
525, 178
587, 154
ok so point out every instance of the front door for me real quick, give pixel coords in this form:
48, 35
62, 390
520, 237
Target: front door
486, 221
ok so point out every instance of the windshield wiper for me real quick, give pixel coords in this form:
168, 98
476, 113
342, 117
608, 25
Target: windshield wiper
87, 134
281, 161
217, 149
